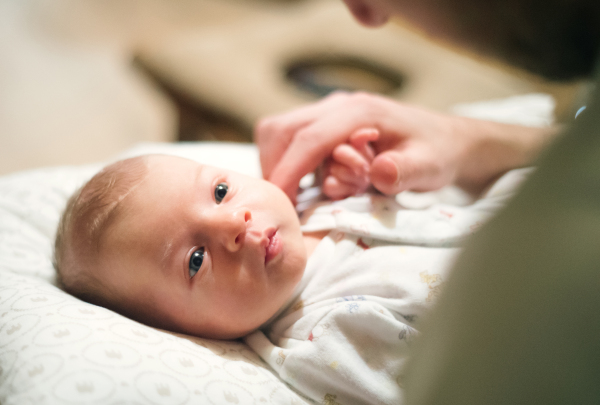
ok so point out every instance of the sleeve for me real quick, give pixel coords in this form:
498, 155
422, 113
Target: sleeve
440, 224
518, 321
353, 355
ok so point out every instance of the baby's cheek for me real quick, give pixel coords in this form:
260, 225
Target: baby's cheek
293, 269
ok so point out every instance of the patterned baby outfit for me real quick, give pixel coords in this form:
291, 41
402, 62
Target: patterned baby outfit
344, 336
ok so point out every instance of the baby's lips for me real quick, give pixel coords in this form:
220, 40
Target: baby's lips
274, 248
260, 240
269, 232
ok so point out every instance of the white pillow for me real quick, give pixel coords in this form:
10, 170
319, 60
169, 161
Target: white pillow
56, 349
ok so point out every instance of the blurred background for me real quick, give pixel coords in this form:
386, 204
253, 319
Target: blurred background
81, 80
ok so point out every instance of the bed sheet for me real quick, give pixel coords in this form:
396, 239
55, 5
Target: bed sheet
56, 349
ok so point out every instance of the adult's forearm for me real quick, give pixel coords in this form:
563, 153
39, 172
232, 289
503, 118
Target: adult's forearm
495, 148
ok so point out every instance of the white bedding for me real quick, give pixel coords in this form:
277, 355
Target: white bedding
56, 349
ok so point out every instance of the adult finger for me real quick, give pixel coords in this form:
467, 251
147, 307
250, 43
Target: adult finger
306, 151
411, 169
274, 134
360, 141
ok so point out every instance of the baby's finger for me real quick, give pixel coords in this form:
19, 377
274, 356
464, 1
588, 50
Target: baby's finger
347, 175
365, 135
360, 140
348, 156
336, 190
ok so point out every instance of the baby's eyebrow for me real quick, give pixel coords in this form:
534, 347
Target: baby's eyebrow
167, 248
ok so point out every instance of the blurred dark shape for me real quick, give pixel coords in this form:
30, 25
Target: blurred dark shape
196, 121
557, 39
322, 75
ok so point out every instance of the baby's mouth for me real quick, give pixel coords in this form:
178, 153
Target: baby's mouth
274, 246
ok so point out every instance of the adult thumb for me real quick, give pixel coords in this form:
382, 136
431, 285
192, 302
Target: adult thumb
395, 171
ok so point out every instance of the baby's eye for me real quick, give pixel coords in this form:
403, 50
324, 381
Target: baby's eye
196, 261
220, 192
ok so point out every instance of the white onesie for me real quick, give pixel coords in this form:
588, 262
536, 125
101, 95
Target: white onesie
344, 335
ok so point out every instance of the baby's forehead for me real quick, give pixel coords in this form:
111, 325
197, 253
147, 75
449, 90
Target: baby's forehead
168, 185
168, 173
161, 161
140, 227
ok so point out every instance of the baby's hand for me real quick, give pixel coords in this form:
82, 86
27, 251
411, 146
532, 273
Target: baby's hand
347, 170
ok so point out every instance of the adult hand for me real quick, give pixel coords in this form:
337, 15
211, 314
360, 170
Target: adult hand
412, 150
416, 149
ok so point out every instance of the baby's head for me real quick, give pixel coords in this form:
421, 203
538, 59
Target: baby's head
181, 246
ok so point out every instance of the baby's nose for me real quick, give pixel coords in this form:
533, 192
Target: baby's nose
232, 225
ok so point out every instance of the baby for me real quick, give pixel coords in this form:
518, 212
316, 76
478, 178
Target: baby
182, 246
330, 305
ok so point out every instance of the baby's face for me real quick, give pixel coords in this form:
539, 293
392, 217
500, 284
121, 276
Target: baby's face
213, 252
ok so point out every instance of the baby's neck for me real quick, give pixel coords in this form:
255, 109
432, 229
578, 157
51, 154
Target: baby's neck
312, 239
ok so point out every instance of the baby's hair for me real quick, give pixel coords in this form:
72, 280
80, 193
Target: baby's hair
87, 217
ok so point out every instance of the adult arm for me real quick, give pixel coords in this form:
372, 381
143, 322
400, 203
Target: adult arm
417, 149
